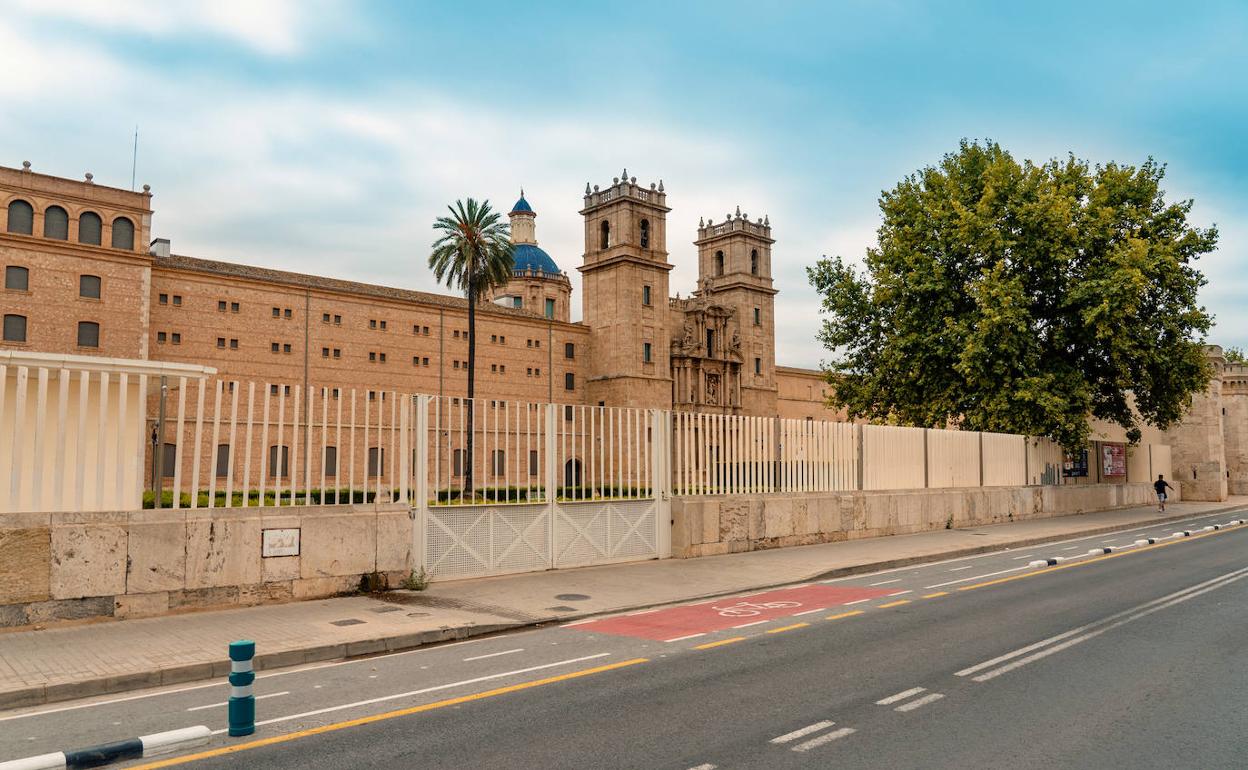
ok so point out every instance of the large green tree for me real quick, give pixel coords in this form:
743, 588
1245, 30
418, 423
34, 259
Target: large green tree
473, 253
1022, 298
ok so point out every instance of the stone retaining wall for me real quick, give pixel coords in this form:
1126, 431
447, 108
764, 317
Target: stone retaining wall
137, 563
708, 526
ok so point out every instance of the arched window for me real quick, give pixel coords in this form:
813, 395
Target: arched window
88, 334
89, 286
21, 218
604, 239
89, 226
572, 473
719, 263
56, 223
645, 234
753, 261
123, 234
15, 328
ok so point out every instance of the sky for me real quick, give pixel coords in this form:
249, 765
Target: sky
325, 136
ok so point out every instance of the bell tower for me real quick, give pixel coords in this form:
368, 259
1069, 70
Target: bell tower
734, 271
624, 293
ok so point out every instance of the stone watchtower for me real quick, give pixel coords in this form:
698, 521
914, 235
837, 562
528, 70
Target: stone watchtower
624, 293
734, 273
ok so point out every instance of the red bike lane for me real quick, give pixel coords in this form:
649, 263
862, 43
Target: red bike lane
674, 623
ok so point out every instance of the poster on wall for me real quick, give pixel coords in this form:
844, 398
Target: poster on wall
1114, 459
1075, 464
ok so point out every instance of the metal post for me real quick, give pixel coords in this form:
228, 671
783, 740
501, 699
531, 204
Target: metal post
158, 443
242, 703
858, 431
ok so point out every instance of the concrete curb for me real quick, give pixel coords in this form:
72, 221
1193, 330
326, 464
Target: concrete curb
107, 753
43, 694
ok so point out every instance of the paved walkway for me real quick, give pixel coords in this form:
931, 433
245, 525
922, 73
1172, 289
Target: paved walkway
73, 661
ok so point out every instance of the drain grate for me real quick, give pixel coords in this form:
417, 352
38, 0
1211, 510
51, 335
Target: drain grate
571, 597
346, 622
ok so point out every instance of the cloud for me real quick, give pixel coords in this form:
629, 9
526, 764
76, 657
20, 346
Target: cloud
271, 27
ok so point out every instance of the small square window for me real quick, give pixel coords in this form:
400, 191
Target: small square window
455, 334
567, 412
645, 295
569, 381
324, 352
177, 300
425, 361
324, 318
337, 320
502, 339
176, 338
372, 323
220, 342
15, 328
161, 337
382, 357
457, 363
493, 367
528, 343
233, 344
276, 348
528, 371
277, 312
335, 393
88, 334
537, 343
286, 313
569, 350
337, 352
416, 329
537, 372
426, 330
372, 356
383, 326
415, 360
89, 286
221, 306
18, 278
233, 307
286, 348
502, 368
493, 338
163, 299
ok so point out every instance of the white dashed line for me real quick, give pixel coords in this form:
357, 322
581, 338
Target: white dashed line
969, 566
886, 582
815, 743
1024, 556
703, 767
914, 704
223, 704
976, 577
857, 601
810, 612
899, 593
755, 623
900, 696
807, 730
683, 638
494, 654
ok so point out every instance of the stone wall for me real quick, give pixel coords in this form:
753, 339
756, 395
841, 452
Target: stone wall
136, 563
708, 526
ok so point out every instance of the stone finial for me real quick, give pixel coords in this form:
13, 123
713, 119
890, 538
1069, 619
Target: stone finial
652, 185
147, 188
632, 180
660, 185
26, 165
615, 180
624, 176
760, 220
767, 221
595, 188
746, 217
522, 191
738, 212
587, 188
90, 177
701, 222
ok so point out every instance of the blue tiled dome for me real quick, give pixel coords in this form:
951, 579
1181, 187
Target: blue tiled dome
530, 257
522, 205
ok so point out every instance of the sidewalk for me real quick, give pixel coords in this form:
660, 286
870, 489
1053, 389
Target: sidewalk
67, 662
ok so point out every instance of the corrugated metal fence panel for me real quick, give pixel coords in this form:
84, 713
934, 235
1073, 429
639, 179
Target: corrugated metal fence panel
1044, 461
952, 459
892, 457
1004, 460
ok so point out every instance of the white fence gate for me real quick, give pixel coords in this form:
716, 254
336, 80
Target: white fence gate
517, 487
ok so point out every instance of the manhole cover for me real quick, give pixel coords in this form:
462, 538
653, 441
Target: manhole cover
347, 622
387, 608
571, 597
562, 608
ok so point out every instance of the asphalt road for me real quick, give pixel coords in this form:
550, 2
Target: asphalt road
1128, 659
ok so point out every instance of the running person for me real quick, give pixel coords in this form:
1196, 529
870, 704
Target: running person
1160, 486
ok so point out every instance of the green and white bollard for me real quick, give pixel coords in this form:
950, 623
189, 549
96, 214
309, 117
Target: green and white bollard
242, 698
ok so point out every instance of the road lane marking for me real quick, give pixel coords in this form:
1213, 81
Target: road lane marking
287, 737
719, 643
581, 622
933, 596
1024, 556
1115, 555
755, 623
1094, 624
683, 638
900, 593
703, 767
226, 703
645, 612
810, 612
976, 577
785, 628
1071, 548
984, 677
807, 730
885, 582
840, 615
857, 601
900, 696
897, 603
494, 654
435, 688
914, 704
815, 743
968, 566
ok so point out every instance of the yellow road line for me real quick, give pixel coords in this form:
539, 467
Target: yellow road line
897, 603
786, 628
933, 596
840, 615
1082, 562
720, 643
387, 715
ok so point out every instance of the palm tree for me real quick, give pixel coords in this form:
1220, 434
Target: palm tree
473, 253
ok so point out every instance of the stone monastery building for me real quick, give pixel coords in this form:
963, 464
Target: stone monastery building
81, 278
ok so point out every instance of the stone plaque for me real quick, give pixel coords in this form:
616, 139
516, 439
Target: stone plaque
279, 542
